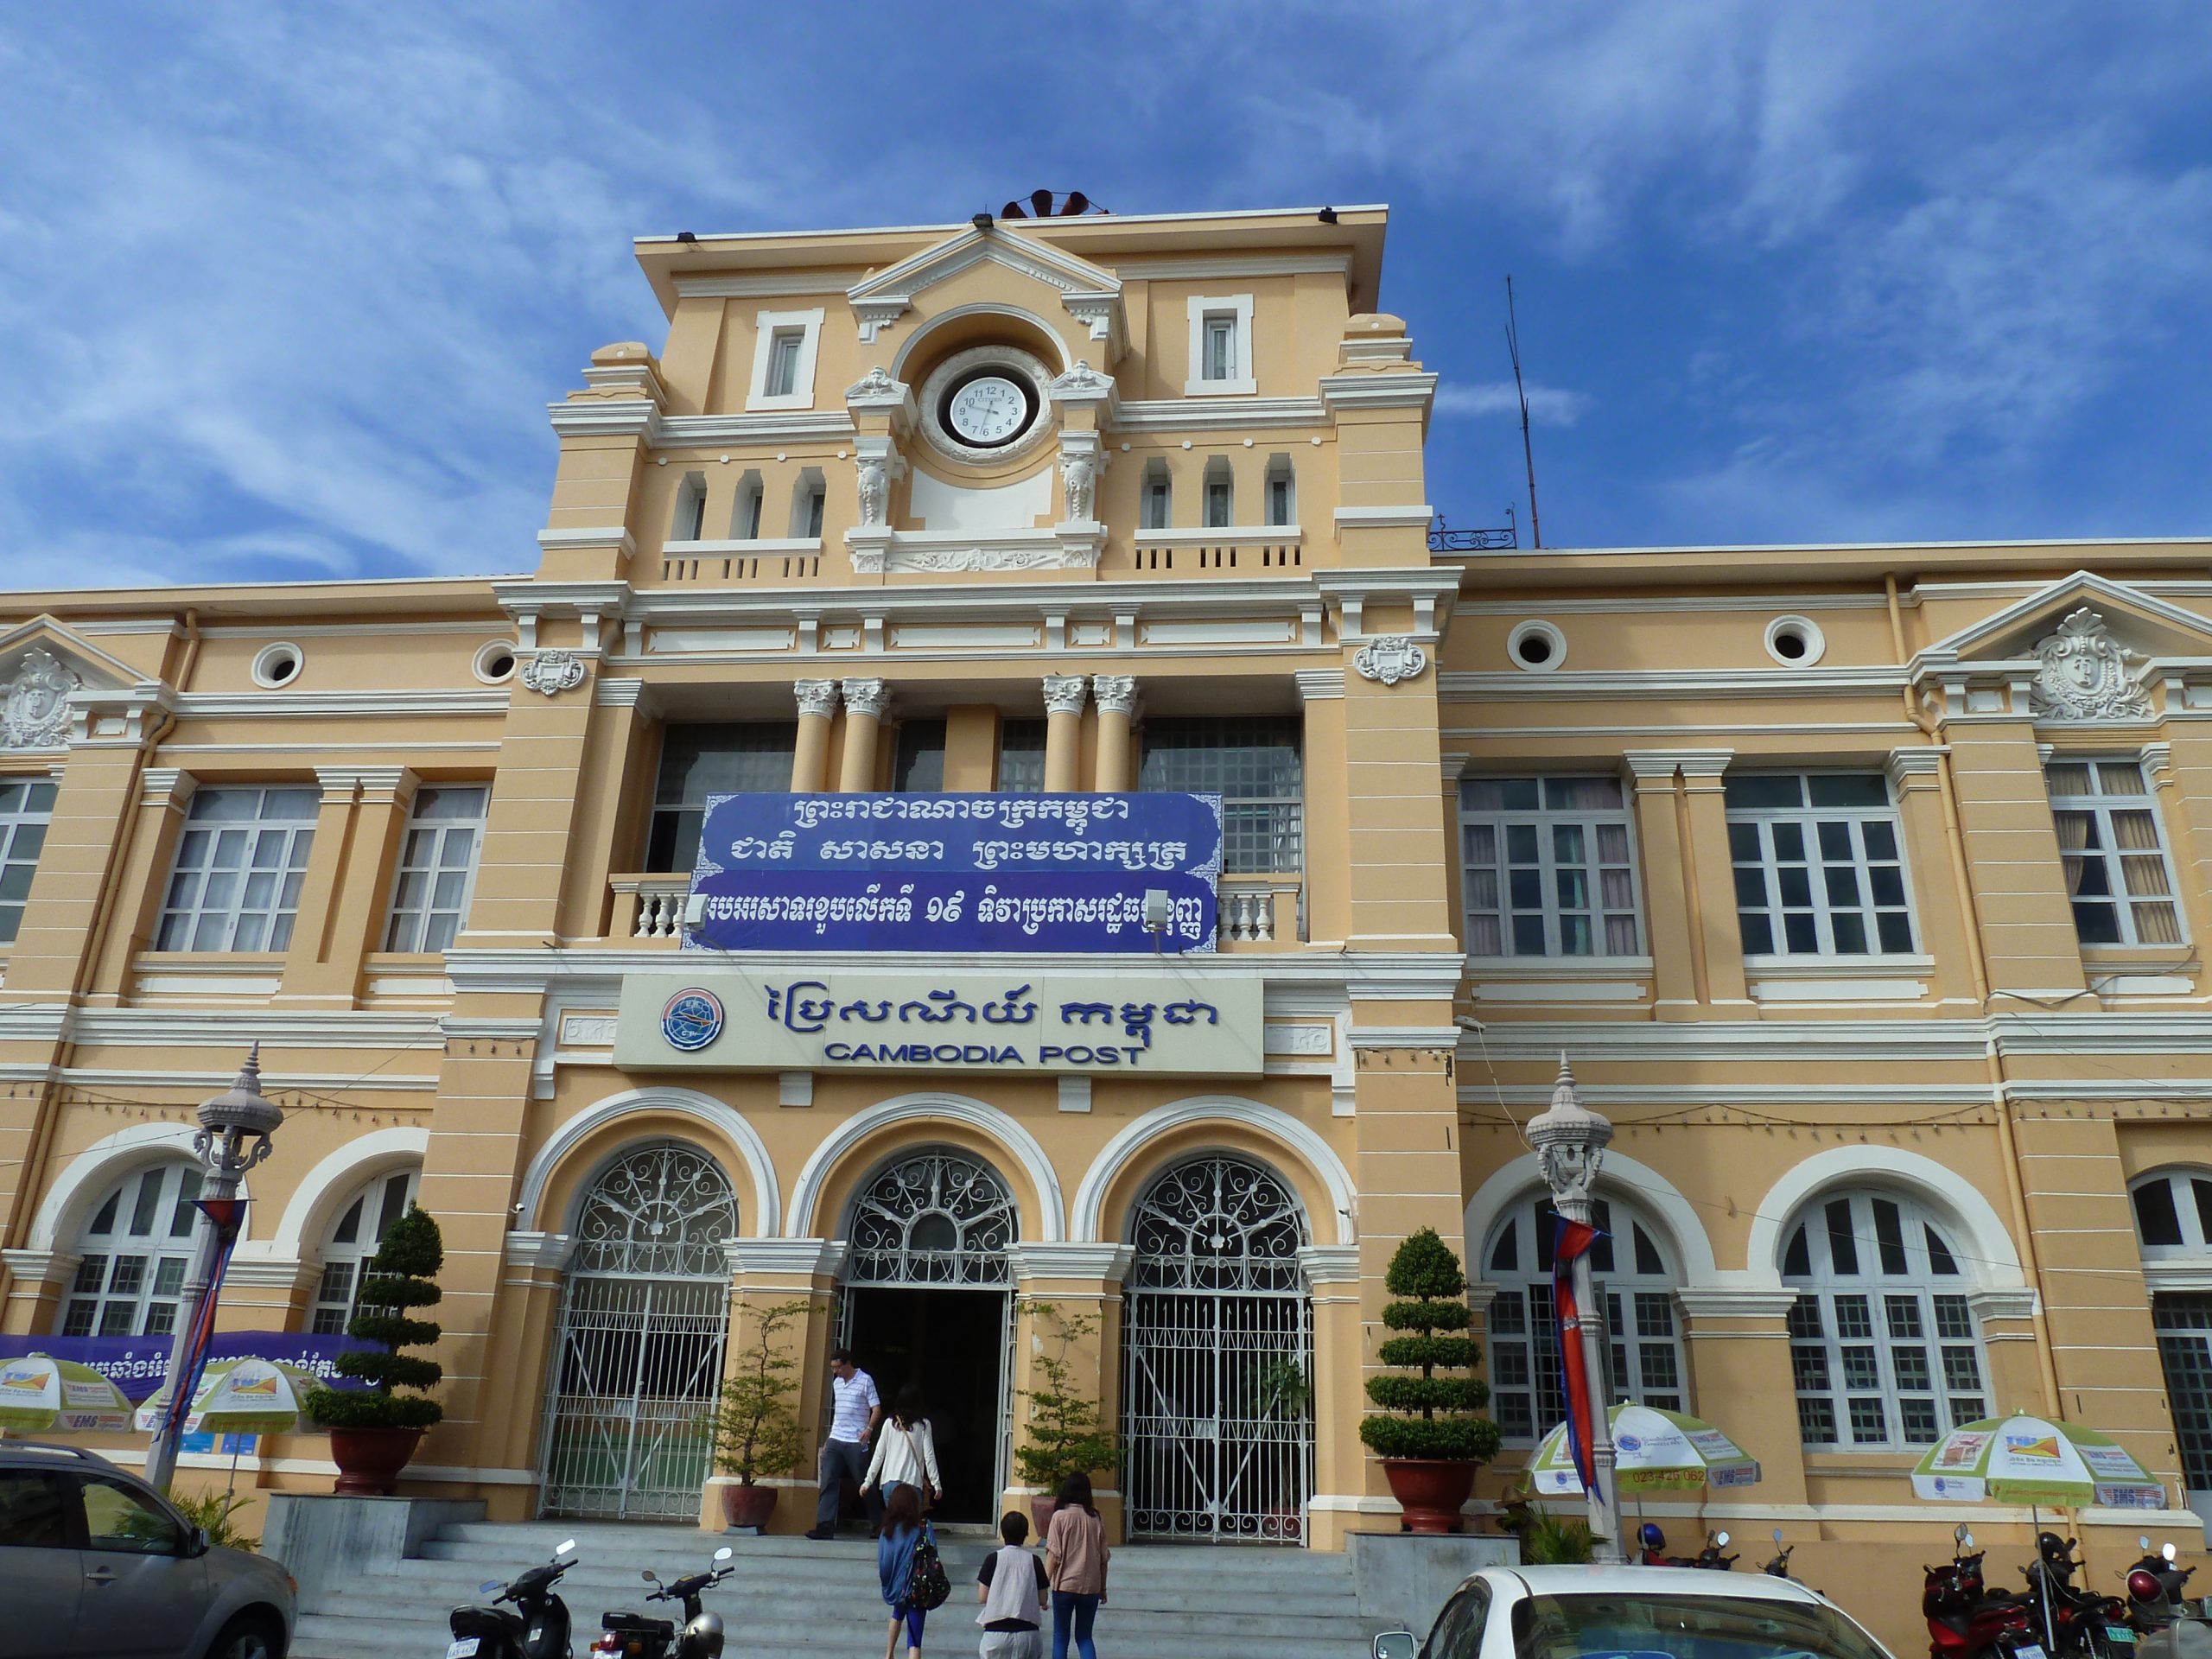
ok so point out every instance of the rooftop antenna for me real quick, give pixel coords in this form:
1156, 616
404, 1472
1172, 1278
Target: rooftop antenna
1528, 451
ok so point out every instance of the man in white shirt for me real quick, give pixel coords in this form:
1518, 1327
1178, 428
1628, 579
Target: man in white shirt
855, 1409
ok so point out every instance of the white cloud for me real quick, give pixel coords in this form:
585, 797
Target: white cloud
1547, 405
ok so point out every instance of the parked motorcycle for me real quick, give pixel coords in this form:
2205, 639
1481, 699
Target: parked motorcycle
1651, 1550
1778, 1566
1711, 1557
1965, 1618
2169, 1626
536, 1629
2070, 1620
640, 1636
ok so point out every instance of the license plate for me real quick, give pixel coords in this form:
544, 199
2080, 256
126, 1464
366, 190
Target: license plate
2030, 1650
2120, 1634
464, 1649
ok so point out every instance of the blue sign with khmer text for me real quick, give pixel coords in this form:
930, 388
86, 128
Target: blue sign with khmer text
955, 873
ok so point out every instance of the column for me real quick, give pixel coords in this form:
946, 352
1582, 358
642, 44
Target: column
801, 1274
2178, 811
1082, 1284
2028, 942
1063, 695
817, 706
1668, 927
864, 702
1736, 1343
1118, 715
1711, 872
387, 794
1332, 1274
1939, 902
326, 873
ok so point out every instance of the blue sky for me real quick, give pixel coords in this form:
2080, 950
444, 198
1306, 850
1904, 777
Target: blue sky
284, 291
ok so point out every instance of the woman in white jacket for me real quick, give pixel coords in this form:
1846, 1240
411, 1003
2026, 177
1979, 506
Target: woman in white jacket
905, 1451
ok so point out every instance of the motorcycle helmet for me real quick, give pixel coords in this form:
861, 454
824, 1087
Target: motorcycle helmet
1650, 1535
2051, 1546
2144, 1585
703, 1635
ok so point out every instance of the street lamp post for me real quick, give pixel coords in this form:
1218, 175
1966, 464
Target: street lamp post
234, 1137
1570, 1141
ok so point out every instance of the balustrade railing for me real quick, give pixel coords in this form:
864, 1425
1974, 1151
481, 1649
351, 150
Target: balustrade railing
648, 906
1259, 910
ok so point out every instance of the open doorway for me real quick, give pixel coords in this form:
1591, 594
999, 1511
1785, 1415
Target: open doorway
952, 1343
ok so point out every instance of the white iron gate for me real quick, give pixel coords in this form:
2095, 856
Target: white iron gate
631, 1390
1218, 1348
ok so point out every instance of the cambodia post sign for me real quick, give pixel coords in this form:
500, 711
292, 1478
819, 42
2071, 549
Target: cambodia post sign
955, 873
727, 1021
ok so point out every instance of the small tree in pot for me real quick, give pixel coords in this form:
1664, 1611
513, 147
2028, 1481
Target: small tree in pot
1433, 1445
755, 1432
373, 1432
1063, 1436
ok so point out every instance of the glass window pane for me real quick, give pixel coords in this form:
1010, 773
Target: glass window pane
2156, 1222
1746, 791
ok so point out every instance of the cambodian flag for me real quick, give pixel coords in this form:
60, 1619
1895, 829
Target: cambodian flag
1572, 1240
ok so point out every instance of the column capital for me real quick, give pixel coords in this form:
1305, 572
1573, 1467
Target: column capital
1702, 1302
1453, 766
1916, 768
1116, 694
1329, 1264
868, 697
167, 786
534, 1250
1106, 1262
1317, 683
787, 1258
381, 784
817, 697
1651, 764
1063, 693
41, 1267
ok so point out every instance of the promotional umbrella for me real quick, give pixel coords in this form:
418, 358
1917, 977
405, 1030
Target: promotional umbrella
1653, 1450
39, 1394
2031, 1460
239, 1396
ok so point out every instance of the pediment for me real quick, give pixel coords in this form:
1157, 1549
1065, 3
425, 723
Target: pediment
41, 665
2148, 626
1090, 293
2084, 649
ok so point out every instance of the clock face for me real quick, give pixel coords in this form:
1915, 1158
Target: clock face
987, 410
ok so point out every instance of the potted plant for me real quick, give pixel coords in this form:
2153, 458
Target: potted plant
1428, 1435
1063, 1435
373, 1432
755, 1432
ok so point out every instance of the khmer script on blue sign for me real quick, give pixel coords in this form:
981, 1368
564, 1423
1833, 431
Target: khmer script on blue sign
952, 873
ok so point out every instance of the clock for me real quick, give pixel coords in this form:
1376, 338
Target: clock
987, 410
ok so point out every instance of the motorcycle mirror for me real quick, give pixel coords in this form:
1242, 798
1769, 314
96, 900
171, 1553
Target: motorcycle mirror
487, 1586
1778, 1534
650, 1576
567, 1545
723, 1554
1721, 1539
1960, 1535
1965, 1538
2168, 1552
2143, 1544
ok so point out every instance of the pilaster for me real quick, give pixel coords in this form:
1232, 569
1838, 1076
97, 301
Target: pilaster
306, 968
2028, 938
1719, 939
1667, 920
1916, 781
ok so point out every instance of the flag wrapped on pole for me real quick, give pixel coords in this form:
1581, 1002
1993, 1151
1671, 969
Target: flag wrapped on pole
1570, 1243
228, 1217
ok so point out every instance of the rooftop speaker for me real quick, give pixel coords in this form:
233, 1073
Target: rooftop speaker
1045, 204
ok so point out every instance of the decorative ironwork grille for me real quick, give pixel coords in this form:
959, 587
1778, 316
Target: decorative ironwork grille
643, 1321
1217, 1350
938, 1217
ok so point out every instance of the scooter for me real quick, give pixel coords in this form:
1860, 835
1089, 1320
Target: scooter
1651, 1550
1965, 1618
2169, 1625
1711, 1557
1778, 1566
2067, 1619
537, 1628
640, 1636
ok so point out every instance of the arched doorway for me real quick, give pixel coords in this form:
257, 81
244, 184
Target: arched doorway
927, 1299
1218, 1357
639, 1353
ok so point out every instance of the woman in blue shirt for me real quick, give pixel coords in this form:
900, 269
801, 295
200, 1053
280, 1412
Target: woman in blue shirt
894, 1564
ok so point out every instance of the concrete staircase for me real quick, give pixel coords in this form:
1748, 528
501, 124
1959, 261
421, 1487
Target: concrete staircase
790, 1595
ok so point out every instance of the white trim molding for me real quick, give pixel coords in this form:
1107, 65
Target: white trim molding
917, 1109
1239, 308
767, 325
764, 1214
61, 1214
1109, 1263
1951, 1195
1658, 1196
309, 1213
1268, 1122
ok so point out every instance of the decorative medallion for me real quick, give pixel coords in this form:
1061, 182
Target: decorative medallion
552, 672
1392, 658
692, 1019
2084, 675
35, 712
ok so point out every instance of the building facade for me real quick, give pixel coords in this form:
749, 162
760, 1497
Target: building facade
1859, 883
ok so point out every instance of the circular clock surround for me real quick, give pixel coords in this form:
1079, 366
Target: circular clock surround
985, 404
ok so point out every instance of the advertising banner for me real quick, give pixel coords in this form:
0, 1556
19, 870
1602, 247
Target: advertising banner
955, 873
1167, 1023
138, 1365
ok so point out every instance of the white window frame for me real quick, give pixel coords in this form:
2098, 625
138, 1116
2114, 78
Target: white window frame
1833, 1342
1282, 475
289, 873
1237, 307
1217, 482
432, 837
1156, 477
22, 837
2101, 808
1763, 820
2181, 1180
374, 1205
159, 1255
2180, 1280
1546, 820
766, 325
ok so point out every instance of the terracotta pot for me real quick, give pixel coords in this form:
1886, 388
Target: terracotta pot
369, 1459
1041, 1513
1431, 1490
749, 1506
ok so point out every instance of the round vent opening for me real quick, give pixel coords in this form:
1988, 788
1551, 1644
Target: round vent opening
1795, 641
495, 663
1536, 646
277, 665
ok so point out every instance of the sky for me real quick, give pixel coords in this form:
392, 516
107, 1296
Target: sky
284, 291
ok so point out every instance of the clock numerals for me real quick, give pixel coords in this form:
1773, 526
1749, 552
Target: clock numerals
988, 411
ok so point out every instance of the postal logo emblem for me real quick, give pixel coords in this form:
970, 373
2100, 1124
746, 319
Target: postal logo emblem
692, 1019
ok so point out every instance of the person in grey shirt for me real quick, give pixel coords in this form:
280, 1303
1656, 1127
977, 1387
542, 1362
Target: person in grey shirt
855, 1410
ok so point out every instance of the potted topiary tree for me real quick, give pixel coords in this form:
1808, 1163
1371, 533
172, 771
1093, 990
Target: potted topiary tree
373, 1432
1063, 1436
1432, 1442
755, 1432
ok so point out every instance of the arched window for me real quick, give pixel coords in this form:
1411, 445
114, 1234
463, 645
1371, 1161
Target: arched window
1639, 1278
132, 1255
2173, 1224
1882, 1339
938, 1217
359, 1230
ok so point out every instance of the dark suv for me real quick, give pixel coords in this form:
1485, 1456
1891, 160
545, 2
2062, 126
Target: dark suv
95, 1562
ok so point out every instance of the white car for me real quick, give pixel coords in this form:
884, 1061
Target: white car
1633, 1613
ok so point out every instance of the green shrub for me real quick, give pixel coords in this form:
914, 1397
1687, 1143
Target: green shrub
1439, 1419
401, 1276
1549, 1540
211, 1512
1063, 1435
755, 1432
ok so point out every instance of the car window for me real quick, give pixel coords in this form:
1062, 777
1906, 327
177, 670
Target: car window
1703, 1626
32, 1510
118, 1518
1458, 1633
